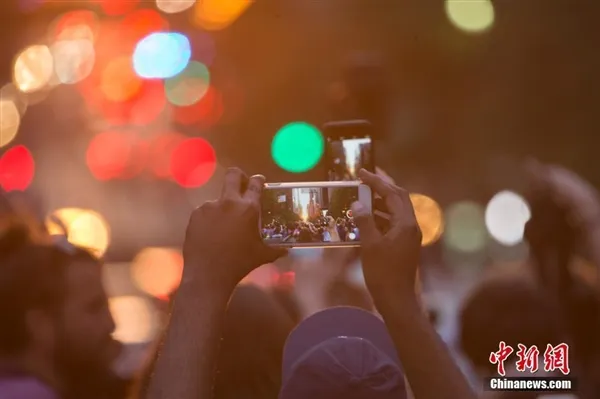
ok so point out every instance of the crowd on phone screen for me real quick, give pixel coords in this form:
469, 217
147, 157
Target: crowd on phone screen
320, 229
55, 335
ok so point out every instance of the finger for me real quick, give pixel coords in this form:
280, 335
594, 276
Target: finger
232, 187
254, 190
394, 203
364, 221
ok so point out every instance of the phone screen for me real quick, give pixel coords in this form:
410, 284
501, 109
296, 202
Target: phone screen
349, 148
307, 216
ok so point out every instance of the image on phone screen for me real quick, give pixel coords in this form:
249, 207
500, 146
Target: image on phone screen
346, 156
309, 216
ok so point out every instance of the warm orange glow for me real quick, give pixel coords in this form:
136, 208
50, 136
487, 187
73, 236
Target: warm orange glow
219, 14
429, 217
157, 271
119, 80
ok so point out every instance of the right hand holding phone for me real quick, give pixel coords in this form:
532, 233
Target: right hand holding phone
390, 261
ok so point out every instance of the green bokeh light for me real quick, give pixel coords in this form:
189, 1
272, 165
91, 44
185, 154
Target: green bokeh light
189, 86
297, 147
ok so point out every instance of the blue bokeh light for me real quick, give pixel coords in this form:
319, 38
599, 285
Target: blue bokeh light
161, 55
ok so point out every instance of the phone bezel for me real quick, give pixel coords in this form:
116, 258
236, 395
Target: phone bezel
365, 196
333, 132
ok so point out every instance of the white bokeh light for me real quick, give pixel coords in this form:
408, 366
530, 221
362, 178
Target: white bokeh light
505, 217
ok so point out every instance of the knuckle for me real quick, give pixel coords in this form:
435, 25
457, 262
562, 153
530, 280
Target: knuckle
233, 171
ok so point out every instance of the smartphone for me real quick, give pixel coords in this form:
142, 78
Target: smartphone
313, 215
349, 148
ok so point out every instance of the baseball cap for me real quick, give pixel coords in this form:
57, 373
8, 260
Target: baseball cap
341, 352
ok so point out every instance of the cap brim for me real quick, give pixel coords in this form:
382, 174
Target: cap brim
343, 321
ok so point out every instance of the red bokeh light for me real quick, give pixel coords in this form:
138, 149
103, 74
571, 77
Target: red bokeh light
141, 109
193, 163
205, 112
108, 154
17, 169
161, 151
118, 7
139, 24
148, 104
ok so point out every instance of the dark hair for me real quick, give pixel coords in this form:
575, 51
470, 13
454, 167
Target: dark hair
256, 328
32, 275
510, 310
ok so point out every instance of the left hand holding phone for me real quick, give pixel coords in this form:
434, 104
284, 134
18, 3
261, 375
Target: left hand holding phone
222, 243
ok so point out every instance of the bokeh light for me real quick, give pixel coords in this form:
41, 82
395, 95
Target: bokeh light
189, 86
193, 163
33, 69
73, 60
157, 271
119, 81
148, 105
429, 217
297, 147
161, 55
505, 217
465, 227
118, 7
161, 152
174, 6
10, 120
137, 25
74, 25
9, 92
206, 112
17, 169
219, 14
84, 228
135, 319
108, 155
472, 16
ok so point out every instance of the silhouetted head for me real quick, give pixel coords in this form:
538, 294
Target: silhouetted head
256, 328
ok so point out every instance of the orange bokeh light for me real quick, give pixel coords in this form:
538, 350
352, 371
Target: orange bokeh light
157, 271
119, 81
193, 162
17, 169
218, 14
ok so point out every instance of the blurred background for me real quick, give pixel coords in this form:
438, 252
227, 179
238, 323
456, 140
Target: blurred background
118, 117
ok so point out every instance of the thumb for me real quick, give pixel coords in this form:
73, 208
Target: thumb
365, 222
